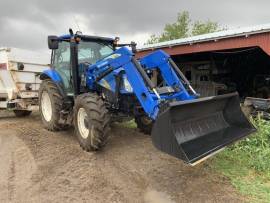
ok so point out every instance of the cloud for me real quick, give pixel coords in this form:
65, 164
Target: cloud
26, 24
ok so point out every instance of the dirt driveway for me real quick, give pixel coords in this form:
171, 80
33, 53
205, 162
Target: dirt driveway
41, 166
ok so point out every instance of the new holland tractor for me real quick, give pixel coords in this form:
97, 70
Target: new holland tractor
94, 81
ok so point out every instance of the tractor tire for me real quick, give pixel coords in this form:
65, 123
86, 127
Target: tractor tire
50, 104
22, 113
144, 123
91, 121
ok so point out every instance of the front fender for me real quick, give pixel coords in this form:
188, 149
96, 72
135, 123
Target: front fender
51, 74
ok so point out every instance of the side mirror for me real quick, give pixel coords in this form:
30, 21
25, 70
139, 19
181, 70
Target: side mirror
53, 42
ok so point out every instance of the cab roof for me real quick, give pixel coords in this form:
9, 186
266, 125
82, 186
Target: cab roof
88, 38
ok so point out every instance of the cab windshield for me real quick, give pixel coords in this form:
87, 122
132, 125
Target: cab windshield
91, 52
88, 53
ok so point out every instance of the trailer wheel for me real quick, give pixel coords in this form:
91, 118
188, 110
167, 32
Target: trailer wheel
22, 113
144, 123
50, 102
91, 121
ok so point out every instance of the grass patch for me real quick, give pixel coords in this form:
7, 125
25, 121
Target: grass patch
247, 163
128, 124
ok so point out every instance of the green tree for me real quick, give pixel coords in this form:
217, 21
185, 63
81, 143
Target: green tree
200, 27
153, 39
183, 27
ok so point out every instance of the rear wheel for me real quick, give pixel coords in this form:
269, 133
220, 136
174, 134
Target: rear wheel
144, 123
91, 121
50, 104
22, 113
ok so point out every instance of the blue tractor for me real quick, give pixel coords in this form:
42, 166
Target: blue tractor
94, 81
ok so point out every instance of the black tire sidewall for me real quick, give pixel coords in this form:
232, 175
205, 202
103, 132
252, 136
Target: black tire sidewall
22, 113
145, 128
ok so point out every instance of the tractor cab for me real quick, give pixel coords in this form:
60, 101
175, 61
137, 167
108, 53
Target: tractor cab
81, 49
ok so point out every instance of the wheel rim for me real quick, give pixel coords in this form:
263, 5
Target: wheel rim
82, 120
145, 120
46, 106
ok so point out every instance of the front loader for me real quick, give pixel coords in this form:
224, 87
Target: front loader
94, 81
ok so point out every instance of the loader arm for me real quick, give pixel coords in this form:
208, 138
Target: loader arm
143, 88
141, 84
170, 73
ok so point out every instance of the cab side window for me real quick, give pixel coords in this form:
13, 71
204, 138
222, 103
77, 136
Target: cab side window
62, 64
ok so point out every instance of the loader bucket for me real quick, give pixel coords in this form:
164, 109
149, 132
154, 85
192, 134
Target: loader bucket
194, 130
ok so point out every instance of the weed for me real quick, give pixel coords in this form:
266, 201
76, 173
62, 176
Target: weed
247, 163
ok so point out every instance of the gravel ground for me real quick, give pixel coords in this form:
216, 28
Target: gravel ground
41, 166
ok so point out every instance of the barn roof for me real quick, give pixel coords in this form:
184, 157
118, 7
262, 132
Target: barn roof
245, 32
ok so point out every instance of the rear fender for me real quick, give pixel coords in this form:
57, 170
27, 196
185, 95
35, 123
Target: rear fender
56, 78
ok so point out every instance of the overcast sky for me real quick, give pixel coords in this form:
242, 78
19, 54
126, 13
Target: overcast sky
26, 24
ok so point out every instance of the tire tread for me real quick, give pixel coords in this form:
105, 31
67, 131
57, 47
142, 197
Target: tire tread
98, 115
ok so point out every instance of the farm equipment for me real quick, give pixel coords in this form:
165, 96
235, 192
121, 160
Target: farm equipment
94, 81
19, 79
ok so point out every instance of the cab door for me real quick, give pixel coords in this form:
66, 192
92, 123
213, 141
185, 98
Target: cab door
62, 64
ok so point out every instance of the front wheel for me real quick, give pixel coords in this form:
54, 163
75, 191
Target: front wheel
91, 121
144, 123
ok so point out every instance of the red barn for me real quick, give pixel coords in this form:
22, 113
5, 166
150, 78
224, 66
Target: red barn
226, 61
